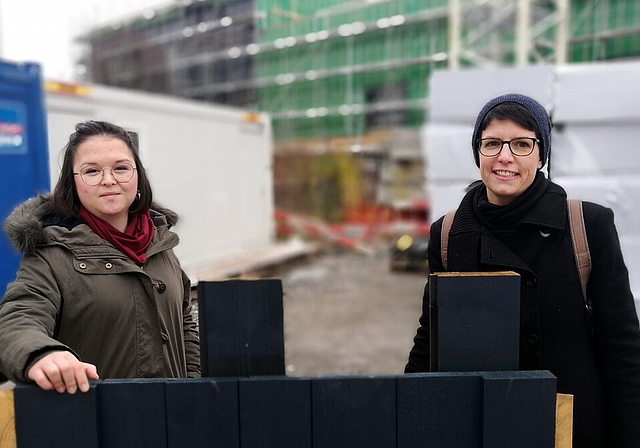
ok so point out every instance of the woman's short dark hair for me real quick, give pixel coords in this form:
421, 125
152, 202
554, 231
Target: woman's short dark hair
65, 200
514, 112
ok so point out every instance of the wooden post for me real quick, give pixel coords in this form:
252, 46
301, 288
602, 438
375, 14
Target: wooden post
7, 420
564, 421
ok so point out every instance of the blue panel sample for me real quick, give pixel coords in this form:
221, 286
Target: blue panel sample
241, 328
51, 419
440, 410
202, 413
275, 412
131, 413
519, 409
354, 411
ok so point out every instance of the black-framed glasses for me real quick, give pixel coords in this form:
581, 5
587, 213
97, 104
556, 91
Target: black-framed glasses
520, 146
93, 175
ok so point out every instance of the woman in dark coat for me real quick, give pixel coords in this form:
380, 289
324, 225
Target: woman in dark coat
517, 219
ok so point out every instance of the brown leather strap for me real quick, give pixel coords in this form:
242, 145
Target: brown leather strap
580, 245
447, 222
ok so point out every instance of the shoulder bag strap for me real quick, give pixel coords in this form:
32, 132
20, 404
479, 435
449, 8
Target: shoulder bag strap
447, 222
580, 246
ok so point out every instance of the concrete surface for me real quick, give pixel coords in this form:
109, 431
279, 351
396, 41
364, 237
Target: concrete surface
347, 313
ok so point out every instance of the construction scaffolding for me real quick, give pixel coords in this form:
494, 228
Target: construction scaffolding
326, 68
348, 76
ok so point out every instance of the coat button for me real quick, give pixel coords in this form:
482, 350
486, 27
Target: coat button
161, 287
108, 265
83, 266
533, 339
531, 282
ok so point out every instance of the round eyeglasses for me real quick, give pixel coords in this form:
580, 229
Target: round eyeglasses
521, 146
121, 172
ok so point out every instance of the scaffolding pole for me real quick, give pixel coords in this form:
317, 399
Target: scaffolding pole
523, 32
562, 31
455, 25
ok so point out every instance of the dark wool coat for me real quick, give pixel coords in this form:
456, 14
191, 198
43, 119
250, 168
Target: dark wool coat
600, 367
74, 291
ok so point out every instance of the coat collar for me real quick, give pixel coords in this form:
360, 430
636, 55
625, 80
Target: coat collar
466, 233
550, 211
31, 225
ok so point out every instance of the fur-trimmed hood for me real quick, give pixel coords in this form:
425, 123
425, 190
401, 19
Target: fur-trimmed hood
25, 226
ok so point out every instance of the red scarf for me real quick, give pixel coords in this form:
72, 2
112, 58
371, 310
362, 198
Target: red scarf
135, 239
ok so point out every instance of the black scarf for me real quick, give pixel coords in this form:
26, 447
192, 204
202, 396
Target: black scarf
506, 217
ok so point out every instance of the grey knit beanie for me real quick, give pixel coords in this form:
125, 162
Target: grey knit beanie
537, 110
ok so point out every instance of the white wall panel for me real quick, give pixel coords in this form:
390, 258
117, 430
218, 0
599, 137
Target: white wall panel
607, 92
458, 96
448, 153
596, 149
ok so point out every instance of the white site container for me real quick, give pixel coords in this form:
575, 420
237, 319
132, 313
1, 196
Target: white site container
211, 164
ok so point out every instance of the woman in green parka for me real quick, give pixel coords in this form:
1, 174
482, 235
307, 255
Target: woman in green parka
99, 292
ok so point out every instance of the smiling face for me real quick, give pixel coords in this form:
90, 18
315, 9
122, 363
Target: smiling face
109, 200
507, 176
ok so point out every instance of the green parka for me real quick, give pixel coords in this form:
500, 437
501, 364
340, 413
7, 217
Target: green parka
74, 291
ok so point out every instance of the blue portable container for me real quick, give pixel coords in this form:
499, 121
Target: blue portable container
24, 154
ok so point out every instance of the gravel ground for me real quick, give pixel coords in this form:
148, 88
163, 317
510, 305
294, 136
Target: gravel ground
346, 313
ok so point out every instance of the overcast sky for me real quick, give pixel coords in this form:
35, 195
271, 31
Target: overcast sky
43, 30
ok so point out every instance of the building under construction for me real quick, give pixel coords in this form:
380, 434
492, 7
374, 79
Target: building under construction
347, 76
